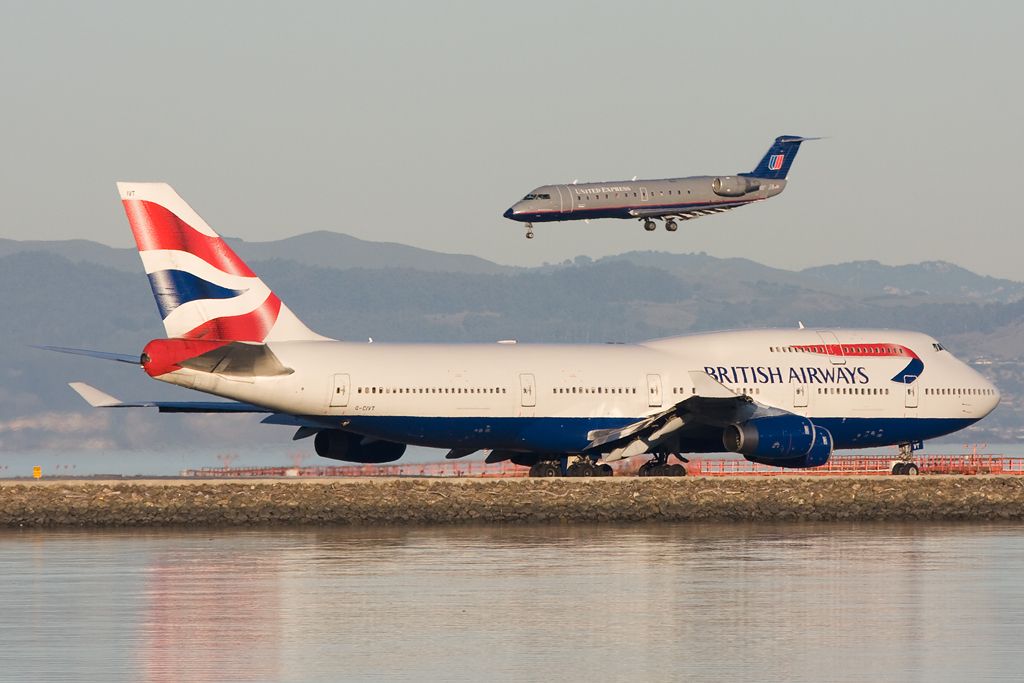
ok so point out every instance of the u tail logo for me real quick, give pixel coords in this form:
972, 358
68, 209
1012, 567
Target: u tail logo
775, 161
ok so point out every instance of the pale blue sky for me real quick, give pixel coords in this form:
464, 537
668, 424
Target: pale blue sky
421, 122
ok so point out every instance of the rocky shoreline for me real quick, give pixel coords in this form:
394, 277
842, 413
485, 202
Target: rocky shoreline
366, 502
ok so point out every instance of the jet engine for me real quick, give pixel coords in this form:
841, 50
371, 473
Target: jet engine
733, 186
341, 445
783, 441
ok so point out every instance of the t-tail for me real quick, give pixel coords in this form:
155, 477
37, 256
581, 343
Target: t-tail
203, 290
775, 164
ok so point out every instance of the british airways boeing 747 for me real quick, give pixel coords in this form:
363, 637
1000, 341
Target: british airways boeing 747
666, 199
781, 397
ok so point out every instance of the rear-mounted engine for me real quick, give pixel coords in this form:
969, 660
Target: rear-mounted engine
733, 186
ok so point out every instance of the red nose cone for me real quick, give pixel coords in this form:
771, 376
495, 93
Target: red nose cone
162, 356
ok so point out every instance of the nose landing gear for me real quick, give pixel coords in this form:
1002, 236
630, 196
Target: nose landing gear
905, 464
529, 231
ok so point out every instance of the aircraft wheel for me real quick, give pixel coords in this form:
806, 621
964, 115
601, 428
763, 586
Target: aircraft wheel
911, 469
605, 470
646, 469
547, 469
529, 235
649, 226
899, 468
582, 469
676, 470
671, 226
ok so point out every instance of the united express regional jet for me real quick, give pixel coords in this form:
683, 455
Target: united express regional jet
780, 397
666, 199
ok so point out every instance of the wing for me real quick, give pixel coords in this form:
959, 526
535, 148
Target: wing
100, 399
684, 214
713, 405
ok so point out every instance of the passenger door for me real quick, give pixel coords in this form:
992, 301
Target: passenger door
654, 391
340, 391
835, 349
800, 396
910, 382
566, 197
527, 391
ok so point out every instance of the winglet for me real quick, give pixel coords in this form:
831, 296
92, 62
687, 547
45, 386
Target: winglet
93, 396
709, 387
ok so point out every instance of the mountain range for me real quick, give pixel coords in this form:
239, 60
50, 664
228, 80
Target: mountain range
85, 294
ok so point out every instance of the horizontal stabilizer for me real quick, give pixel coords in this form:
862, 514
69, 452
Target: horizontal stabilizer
100, 399
93, 396
456, 453
103, 355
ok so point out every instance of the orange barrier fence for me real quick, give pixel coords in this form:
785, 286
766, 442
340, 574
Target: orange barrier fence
427, 469
846, 465
839, 465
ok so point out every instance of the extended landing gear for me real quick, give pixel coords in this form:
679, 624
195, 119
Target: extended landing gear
651, 226
580, 467
658, 467
545, 469
529, 231
584, 468
905, 465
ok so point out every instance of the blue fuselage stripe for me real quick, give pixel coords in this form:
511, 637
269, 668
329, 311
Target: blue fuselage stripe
619, 211
569, 434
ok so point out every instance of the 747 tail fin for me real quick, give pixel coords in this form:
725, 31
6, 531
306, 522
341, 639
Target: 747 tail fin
202, 288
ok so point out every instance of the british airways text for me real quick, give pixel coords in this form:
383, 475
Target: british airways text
748, 374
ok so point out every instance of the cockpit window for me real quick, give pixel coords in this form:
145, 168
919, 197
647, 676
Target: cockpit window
938, 347
536, 196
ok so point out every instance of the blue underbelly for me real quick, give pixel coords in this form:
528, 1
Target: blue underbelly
569, 434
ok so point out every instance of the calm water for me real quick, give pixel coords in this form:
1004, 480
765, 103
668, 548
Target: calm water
637, 603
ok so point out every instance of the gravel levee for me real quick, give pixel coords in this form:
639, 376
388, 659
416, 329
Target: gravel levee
444, 501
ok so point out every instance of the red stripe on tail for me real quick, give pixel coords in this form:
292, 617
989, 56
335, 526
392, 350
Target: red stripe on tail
155, 227
253, 326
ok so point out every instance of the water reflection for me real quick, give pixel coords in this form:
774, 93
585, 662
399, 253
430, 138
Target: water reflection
643, 602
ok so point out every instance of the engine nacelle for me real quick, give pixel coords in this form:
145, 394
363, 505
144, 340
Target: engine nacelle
341, 445
734, 186
819, 454
772, 437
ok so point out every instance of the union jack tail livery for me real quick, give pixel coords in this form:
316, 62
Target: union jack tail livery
203, 290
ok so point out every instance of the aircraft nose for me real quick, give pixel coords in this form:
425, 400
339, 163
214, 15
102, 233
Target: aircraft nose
996, 396
508, 213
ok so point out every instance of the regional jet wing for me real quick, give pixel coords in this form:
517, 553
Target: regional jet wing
101, 399
684, 214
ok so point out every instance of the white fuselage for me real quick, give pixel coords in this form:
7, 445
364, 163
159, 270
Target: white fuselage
547, 397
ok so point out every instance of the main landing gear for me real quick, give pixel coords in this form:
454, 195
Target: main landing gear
529, 235
905, 465
576, 467
670, 225
658, 467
